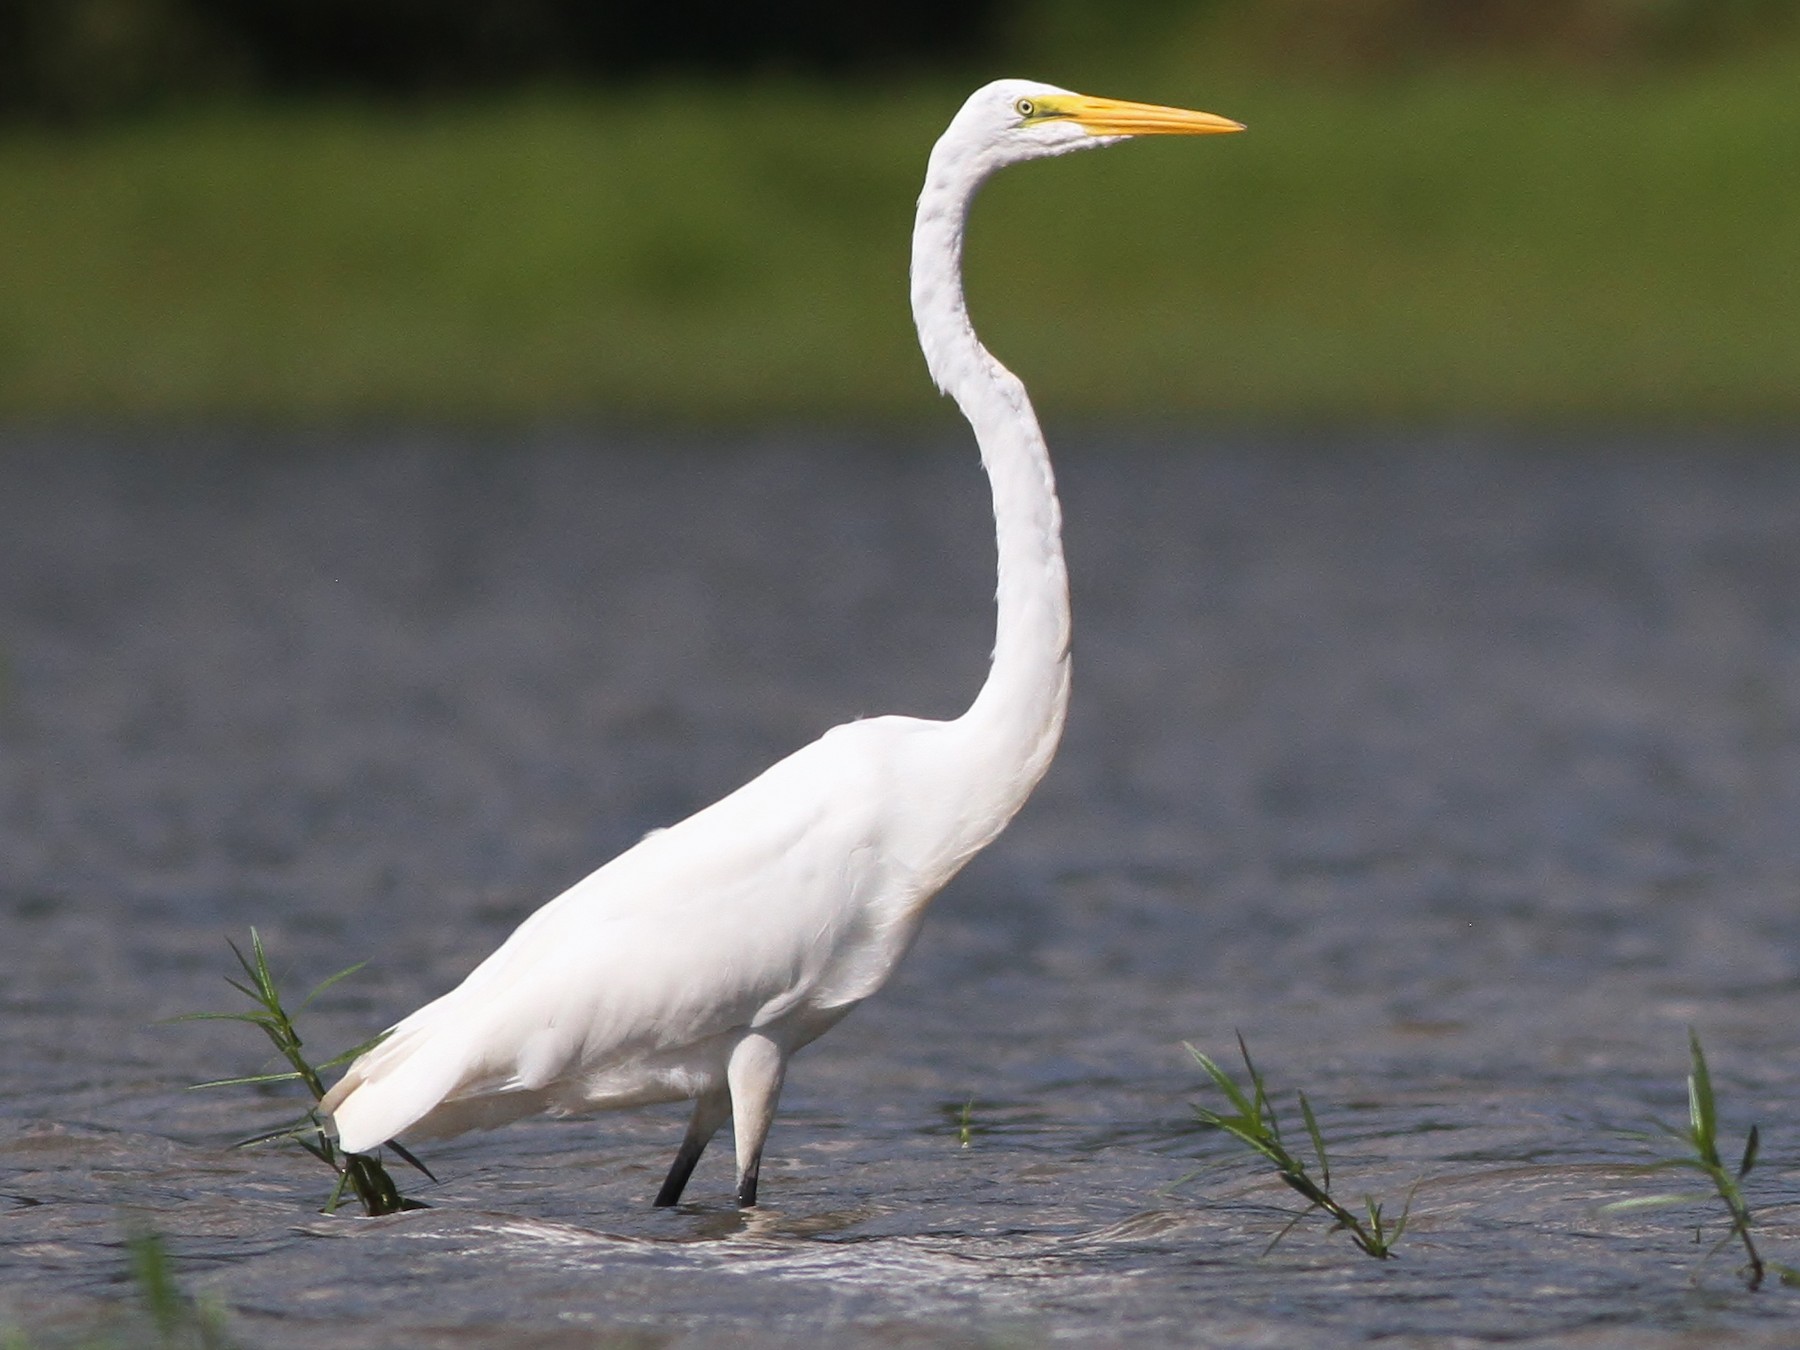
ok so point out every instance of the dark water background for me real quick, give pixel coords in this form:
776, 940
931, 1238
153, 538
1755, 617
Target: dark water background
1461, 773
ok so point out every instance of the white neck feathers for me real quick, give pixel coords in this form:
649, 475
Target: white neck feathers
1017, 719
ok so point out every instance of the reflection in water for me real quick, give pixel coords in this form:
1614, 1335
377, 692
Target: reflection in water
1461, 777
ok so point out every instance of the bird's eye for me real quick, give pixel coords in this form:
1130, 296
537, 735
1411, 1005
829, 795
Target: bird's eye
1025, 107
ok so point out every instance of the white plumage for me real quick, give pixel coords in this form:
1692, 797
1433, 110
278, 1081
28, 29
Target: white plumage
694, 964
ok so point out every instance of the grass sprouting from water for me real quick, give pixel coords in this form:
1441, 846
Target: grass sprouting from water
159, 1315
360, 1173
1701, 1138
179, 1319
1254, 1124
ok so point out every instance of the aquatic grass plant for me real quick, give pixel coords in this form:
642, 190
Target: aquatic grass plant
176, 1319
180, 1319
1700, 1136
1254, 1124
359, 1173
959, 1120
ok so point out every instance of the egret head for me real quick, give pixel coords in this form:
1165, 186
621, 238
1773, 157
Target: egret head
1012, 120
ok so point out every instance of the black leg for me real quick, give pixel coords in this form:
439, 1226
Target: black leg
746, 1195
709, 1114
683, 1168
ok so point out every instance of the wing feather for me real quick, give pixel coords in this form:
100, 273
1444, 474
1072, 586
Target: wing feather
719, 922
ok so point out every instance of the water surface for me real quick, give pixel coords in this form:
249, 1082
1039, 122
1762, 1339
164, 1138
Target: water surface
1461, 774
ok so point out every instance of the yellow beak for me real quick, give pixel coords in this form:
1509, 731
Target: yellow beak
1112, 117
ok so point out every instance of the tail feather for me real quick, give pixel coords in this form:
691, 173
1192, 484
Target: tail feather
390, 1090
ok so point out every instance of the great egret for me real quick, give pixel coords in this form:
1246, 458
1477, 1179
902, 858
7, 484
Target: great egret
695, 963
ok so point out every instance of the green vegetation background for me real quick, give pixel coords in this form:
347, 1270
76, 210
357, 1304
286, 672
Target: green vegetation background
1528, 237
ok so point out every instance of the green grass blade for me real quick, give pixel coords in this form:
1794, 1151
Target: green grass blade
1405, 1215
354, 1052
1223, 1081
155, 1282
1318, 1141
1287, 1228
1670, 1164
326, 983
1262, 1110
1662, 1201
407, 1157
295, 1130
290, 1076
1702, 1111
265, 978
245, 989
1246, 1133
254, 1019
337, 1193
249, 968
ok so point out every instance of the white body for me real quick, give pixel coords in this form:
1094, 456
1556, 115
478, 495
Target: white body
694, 964
775, 910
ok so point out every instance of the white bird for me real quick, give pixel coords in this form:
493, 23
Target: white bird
694, 964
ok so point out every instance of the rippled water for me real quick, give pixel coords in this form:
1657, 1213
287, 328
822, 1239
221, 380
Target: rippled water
1461, 774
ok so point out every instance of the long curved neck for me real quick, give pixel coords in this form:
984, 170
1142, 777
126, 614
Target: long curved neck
1017, 719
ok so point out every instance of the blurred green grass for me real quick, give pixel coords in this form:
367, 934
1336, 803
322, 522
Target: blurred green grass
1471, 242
